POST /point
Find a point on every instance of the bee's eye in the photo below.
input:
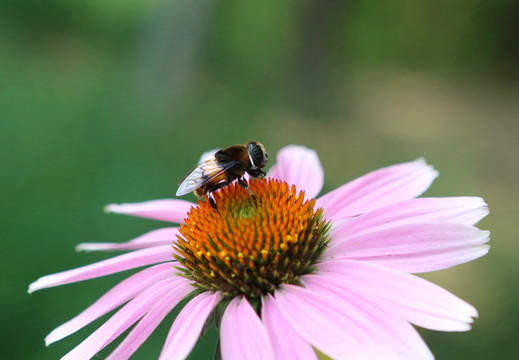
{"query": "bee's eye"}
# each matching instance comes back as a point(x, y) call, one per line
point(258, 157)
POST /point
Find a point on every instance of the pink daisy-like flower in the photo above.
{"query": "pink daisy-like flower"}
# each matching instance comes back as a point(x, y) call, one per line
point(290, 273)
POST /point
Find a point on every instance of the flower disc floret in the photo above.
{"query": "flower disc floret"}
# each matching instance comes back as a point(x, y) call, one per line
point(251, 245)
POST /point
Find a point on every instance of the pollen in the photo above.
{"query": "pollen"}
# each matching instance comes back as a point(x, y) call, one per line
point(251, 244)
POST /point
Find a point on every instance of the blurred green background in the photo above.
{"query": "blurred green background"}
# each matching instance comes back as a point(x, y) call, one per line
point(113, 101)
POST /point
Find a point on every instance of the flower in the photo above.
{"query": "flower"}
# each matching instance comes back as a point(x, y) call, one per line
point(290, 273)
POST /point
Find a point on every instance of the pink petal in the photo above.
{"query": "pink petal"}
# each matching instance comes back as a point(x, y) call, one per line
point(171, 210)
point(413, 247)
point(109, 266)
point(377, 189)
point(157, 237)
point(394, 330)
point(300, 166)
point(287, 343)
point(417, 300)
point(149, 323)
point(460, 210)
point(242, 334)
point(207, 155)
point(188, 326)
point(332, 325)
point(127, 316)
point(118, 295)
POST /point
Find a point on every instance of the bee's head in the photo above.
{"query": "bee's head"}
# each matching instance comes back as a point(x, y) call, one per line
point(257, 154)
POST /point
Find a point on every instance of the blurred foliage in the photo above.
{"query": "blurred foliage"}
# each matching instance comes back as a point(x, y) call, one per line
point(113, 101)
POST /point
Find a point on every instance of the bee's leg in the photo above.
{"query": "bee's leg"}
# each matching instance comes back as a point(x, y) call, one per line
point(220, 185)
point(256, 173)
point(244, 185)
point(212, 202)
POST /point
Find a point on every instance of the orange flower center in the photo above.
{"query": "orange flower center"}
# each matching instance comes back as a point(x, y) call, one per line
point(251, 245)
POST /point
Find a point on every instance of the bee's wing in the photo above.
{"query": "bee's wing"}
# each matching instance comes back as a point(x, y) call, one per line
point(202, 174)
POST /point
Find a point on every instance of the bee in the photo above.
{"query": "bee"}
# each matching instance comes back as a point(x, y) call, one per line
point(226, 166)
